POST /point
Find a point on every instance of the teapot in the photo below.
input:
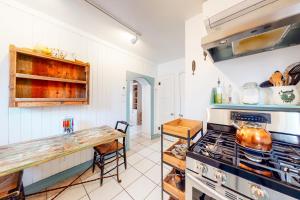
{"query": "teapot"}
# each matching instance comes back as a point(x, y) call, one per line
point(254, 136)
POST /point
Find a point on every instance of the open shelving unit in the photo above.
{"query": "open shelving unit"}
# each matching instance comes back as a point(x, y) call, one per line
point(37, 79)
point(135, 96)
point(184, 130)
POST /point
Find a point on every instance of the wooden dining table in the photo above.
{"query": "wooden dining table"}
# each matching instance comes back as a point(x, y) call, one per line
point(20, 156)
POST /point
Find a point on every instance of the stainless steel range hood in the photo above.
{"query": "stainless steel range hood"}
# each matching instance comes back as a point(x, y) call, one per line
point(252, 26)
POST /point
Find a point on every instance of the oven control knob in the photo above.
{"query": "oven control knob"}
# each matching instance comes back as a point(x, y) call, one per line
point(220, 176)
point(201, 168)
point(258, 193)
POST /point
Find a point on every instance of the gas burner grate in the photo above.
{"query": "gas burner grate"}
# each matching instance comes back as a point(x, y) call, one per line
point(281, 164)
point(221, 141)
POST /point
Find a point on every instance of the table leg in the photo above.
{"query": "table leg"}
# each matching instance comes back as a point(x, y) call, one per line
point(70, 185)
point(117, 159)
point(82, 182)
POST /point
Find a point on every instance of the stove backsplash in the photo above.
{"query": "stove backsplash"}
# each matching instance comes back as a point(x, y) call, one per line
point(282, 122)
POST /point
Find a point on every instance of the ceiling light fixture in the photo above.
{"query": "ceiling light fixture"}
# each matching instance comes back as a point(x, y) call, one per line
point(137, 34)
point(134, 40)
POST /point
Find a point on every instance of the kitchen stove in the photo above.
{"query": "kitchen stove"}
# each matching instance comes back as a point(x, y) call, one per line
point(219, 168)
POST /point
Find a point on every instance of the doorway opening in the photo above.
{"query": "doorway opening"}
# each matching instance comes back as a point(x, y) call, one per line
point(140, 106)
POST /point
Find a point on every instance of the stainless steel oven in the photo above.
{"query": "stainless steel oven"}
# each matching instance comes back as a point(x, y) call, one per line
point(198, 190)
point(201, 188)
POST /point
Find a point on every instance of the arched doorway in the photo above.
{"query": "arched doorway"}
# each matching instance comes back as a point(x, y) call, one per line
point(140, 108)
point(145, 109)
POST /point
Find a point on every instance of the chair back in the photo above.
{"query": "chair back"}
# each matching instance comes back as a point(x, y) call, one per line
point(122, 126)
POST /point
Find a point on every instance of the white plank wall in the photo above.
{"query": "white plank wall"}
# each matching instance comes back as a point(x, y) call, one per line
point(24, 27)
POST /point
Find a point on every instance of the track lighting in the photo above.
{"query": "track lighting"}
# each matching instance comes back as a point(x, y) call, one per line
point(133, 38)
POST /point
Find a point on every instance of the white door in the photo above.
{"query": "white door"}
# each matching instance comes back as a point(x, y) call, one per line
point(181, 88)
point(166, 99)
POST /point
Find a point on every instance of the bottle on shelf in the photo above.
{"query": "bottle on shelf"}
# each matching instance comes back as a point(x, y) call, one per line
point(218, 93)
point(229, 94)
point(224, 94)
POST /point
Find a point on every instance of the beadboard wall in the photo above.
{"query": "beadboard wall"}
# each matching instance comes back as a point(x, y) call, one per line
point(24, 27)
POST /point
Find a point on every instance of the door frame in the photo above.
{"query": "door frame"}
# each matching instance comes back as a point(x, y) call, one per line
point(130, 76)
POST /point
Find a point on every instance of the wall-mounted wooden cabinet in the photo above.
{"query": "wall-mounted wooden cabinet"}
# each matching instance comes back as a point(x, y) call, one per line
point(40, 80)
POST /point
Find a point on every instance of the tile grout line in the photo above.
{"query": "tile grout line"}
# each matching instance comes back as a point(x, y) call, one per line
point(113, 179)
point(117, 193)
point(129, 194)
point(133, 180)
point(144, 174)
point(150, 192)
point(122, 186)
point(124, 189)
point(85, 189)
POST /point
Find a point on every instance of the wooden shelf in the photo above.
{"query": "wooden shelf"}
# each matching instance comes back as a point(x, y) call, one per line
point(39, 102)
point(41, 80)
point(171, 160)
point(180, 127)
point(49, 99)
point(48, 78)
point(29, 52)
point(28, 104)
point(170, 187)
point(258, 107)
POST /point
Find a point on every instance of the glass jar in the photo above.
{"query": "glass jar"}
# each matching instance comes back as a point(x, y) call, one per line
point(251, 93)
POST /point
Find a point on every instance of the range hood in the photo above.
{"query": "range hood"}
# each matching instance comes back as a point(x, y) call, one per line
point(252, 26)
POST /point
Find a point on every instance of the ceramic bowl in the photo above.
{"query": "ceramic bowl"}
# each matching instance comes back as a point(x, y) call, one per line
point(286, 95)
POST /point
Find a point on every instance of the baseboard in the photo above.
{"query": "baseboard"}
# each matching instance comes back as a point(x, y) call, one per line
point(52, 180)
point(154, 136)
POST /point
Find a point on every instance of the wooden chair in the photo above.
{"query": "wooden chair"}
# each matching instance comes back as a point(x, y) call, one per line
point(11, 187)
point(103, 152)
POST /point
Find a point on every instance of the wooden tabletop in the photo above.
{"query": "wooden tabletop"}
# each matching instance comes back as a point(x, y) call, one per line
point(19, 156)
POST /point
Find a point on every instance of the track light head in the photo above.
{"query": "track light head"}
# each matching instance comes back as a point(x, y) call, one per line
point(134, 40)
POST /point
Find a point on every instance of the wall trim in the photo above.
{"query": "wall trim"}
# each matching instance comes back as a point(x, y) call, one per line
point(154, 136)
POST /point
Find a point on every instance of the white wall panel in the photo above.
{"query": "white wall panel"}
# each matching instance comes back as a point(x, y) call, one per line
point(25, 28)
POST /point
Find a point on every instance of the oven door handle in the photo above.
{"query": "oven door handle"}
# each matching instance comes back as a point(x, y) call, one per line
point(214, 194)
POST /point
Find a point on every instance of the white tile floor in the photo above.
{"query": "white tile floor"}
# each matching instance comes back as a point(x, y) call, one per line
point(141, 180)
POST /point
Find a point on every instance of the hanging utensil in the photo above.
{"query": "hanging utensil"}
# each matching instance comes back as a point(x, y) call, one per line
point(295, 75)
point(286, 78)
point(276, 79)
point(292, 74)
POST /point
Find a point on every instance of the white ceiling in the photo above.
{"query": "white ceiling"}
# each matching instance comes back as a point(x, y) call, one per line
point(161, 22)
